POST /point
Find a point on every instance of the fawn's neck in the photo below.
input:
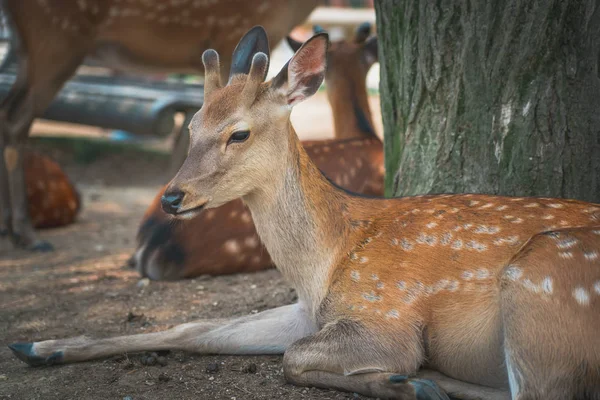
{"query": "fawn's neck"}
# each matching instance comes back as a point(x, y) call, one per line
point(300, 220)
point(350, 106)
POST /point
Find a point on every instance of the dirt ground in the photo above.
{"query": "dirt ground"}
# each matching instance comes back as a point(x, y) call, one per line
point(84, 287)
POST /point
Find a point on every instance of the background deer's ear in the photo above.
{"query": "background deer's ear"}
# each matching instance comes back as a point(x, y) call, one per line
point(293, 43)
point(254, 41)
point(371, 56)
point(362, 32)
point(302, 76)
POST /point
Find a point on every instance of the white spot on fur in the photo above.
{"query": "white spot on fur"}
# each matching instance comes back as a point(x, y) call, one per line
point(393, 314)
point(565, 254)
point(379, 285)
point(446, 239)
point(581, 296)
point(363, 260)
point(232, 246)
point(555, 205)
point(251, 241)
point(590, 255)
point(394, 242)
point(472, 244)
point(410, 296)
point(514, 273)
point(511, 240)
point(473, 203)
point(548, 216)
point(453, 286)
point(429, 240)
point(245, 217)
point(488, 205)
point(531, 205)
point(374, 277)
point(501, 208)
point(547, 285)
point(529, 285)
point(457, 244)
point(467, 275)
point(355, 276)
point(401, 285)
point(371, 296)
point(406, 244)
point(567, 243)
point(597, 287)
point(482, 273)
point(431, 225)
point(490, 230)
point(517, 220)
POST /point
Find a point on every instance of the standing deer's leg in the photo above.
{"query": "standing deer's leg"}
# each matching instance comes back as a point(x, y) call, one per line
point(181, 145)
point(40, 77)
point(5, 209)
point(268, 332)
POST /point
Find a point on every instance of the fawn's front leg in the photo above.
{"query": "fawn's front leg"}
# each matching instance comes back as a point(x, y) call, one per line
point(268, 332)
point(348, 356)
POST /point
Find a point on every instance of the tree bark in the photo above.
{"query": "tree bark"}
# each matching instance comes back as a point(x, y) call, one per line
point(499, 96)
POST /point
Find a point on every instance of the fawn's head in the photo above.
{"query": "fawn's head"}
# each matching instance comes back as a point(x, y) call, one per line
point(240, 137)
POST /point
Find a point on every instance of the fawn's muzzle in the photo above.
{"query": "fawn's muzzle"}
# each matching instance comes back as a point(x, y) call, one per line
point(171, 201)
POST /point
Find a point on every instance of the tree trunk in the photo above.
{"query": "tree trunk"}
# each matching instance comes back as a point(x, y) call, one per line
point(499, 97)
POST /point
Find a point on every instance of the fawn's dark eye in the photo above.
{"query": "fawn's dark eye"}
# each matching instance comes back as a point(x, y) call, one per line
point(238, 137)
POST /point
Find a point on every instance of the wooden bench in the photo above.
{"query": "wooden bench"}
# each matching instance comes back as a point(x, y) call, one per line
point(141, 107)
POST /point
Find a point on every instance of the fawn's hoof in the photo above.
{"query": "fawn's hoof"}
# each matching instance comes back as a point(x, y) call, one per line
point(41, 246)
point(28, 243)
point(25, 353)
point(426, 389)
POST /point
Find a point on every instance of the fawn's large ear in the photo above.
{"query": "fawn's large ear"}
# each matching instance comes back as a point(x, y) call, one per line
point(302, 76)
point(254, 41)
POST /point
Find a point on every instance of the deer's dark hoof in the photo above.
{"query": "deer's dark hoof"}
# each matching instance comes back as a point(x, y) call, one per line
point(41, 246)
point(26, 242)
point(25, 353)
point(426, 389)
point(398, 379)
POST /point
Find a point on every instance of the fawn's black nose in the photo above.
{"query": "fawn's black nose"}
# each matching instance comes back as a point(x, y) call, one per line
point(171, 201)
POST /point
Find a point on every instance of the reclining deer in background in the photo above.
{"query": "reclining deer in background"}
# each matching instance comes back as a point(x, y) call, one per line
point(224, 240)
point(52, 199)
point(486, 293)
point(54, 36)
